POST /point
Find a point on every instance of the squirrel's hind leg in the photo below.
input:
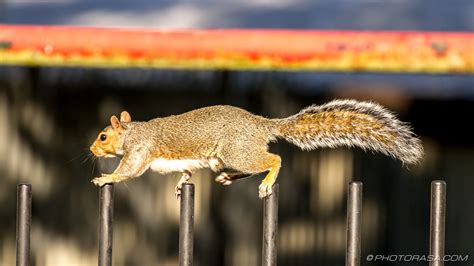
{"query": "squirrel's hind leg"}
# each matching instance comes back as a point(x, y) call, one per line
point(226, 178)
point(273, 163)
point(255, 161)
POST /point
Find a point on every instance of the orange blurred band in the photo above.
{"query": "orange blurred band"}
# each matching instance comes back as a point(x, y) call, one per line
point(307, 50)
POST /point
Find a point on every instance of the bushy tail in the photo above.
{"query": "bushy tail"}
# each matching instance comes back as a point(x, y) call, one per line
point(351, 123)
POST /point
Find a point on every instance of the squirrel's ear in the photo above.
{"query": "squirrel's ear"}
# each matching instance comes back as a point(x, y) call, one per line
point(125, 117)
point(114, 122)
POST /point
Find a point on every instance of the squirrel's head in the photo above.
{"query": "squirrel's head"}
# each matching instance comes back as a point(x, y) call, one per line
point(109, 142)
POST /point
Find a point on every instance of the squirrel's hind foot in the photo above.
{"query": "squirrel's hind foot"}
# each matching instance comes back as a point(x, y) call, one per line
point(264, 190)
point(224, 179)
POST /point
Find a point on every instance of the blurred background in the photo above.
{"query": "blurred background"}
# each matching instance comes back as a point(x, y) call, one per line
point(50, 115)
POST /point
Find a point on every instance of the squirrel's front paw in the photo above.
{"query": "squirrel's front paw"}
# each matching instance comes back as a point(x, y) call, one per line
point(100, 181)
point(265, 190)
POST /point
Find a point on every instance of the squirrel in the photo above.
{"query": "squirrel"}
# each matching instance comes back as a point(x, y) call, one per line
point(234, 142)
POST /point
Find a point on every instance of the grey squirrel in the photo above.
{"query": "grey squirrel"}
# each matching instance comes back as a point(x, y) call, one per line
point(234, 142)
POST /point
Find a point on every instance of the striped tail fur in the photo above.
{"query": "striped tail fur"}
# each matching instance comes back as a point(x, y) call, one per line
point(351, 123)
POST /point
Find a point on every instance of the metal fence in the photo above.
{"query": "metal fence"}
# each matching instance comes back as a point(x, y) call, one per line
point(270, 224)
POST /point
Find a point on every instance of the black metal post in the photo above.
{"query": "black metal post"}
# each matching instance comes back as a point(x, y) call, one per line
point(437, 220)
point(186, 225)
point(23, 224)
point(270, 228)
point(353, 234)
point(106, 219)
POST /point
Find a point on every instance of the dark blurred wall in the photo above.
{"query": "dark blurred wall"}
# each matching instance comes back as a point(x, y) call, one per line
point(49, 117)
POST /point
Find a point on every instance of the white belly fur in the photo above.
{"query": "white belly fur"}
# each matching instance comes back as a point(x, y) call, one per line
point(164, 166)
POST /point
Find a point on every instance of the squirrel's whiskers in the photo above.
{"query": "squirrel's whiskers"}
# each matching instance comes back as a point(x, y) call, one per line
point(86, 152)
point(94, 162)
point(89, 156)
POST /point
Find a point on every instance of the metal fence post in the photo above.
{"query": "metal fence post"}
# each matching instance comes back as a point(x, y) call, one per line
point(106, 218)
point(186, 225)
point(437, 221)
point(270, 228)
point(23, 224)
point(353, 234)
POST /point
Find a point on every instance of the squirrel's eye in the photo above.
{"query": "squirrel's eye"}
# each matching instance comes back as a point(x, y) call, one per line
point(103, 137)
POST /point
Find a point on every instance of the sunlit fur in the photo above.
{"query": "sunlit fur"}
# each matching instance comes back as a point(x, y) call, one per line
point(351, 123)
point(227, 137)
